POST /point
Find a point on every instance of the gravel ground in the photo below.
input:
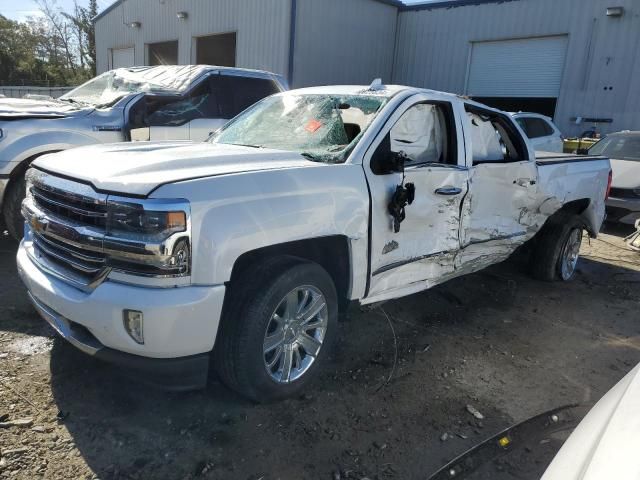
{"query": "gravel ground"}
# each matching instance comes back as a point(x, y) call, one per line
point(505, 344)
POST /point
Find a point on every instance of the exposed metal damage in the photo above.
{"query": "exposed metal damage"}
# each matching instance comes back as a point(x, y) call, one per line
point(479, 229)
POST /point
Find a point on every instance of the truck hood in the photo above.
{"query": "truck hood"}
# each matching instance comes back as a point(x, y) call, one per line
point(139, 168)
point(22, 108)
point(626, 173)
point(605, 444)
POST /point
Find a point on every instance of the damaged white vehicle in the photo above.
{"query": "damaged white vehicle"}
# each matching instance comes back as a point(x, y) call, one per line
point(158, 256)
point(184, 102)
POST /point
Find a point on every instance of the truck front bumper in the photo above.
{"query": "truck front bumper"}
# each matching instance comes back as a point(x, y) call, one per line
point(180, 324)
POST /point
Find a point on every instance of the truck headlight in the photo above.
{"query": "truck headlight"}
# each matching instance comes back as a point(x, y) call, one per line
point(133, 218)
point(148, 237)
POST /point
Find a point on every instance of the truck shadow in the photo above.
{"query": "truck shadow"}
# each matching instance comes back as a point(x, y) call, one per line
point(16, 312)
point(124, 429)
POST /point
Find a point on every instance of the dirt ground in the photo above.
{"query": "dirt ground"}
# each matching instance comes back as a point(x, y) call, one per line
point(509, 346)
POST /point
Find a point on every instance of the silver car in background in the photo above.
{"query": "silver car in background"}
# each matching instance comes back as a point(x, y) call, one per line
point(623, 148)
point(168, 102)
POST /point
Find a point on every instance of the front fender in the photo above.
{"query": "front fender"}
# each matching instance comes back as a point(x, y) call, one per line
point(238, 213)
point(35, 144)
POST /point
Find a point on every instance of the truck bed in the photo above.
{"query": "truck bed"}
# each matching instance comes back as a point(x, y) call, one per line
point(567, 178)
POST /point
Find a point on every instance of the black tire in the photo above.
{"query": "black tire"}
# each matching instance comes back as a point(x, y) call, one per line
point(549, 245)
point(11, 207)
point(253, 298)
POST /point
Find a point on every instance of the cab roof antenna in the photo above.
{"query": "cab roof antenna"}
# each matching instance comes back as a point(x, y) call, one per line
point(376, 85)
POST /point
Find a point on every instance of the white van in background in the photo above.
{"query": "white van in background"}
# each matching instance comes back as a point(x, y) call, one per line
point(542, 132)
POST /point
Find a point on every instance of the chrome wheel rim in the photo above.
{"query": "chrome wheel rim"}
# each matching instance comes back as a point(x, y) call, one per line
point(570, 254)
point(295, 333)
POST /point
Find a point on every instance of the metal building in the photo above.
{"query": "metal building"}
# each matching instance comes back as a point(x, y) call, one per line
point(309, 41)
point(575, 60)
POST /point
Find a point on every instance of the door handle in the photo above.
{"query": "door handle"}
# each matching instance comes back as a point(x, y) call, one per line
point(449, 191)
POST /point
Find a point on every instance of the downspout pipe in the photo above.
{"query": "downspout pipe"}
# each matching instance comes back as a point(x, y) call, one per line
point(292, 40)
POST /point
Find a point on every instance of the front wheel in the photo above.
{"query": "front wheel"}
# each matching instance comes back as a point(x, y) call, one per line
point(11, 208)
point(557, 249)
point(277, 328)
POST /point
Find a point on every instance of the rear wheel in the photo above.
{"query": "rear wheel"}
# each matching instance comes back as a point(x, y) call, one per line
point(570, 254)
point(11, 207)
point(557, 249)
point(277, 328)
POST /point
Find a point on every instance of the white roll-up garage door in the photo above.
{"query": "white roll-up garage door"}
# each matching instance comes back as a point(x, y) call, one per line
point(528, 67)
point(122, 57)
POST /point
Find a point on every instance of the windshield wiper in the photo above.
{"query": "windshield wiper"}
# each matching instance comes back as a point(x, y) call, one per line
point(72, 101)
point(246, 145)
point(311, 156)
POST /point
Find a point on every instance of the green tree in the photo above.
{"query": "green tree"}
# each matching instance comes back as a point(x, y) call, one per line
point(82, 20)
point(19, 62)
point(57, 48)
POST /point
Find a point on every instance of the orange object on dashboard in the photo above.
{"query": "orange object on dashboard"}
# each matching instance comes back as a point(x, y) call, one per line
point(313, 126)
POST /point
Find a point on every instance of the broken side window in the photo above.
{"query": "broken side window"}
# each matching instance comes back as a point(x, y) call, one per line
point(421, 134)
point(493, 138)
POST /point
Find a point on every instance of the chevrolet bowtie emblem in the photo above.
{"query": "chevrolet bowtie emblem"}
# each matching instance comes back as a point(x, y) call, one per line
point(38, 224)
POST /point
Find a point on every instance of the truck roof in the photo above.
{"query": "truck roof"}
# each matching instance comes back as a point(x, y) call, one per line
point(178, 78)
point(381, 90)
point(388, 91)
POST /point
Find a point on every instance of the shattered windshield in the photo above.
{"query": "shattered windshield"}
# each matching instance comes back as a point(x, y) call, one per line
point(106, 89)
point(322, 128)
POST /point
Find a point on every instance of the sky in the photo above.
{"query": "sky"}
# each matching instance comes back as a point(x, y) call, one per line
point(20, 10)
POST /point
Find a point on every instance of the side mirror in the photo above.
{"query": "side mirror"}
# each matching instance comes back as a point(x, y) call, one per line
point(384, 161)
point(583, 151)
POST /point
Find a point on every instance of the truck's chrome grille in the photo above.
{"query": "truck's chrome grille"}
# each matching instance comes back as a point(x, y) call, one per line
point(68, 225)
point(71, 233)
point(88, 263)
point(77, 208)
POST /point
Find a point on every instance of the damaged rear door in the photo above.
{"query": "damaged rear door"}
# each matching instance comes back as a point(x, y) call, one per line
point(500, 211)
point(413, 244)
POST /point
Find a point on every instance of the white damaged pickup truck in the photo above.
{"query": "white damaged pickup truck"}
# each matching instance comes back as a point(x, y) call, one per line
point(160, 257)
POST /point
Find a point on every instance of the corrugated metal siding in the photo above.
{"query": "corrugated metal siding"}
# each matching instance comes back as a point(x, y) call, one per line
point(343, 42)
point(434, 48)
point(530, 67)
point(262, 28)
